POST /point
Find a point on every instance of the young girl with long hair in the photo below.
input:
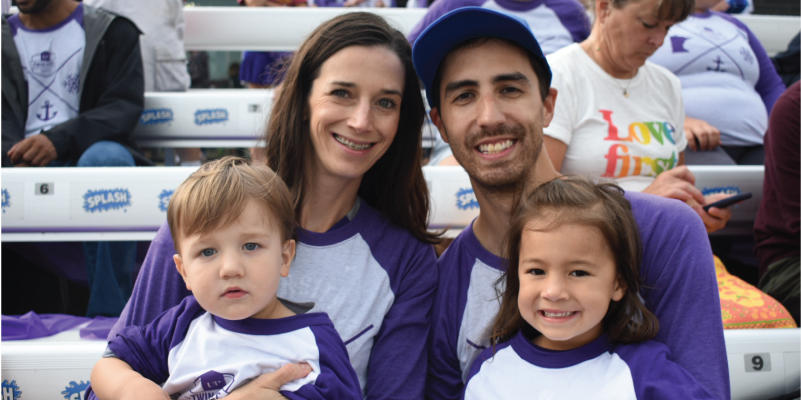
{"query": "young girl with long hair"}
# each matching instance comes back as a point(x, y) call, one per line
point(571, 323)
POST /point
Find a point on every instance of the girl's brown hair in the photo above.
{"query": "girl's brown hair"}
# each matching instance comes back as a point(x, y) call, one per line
point(394, 185)
point(216, 194)
point(574, 200)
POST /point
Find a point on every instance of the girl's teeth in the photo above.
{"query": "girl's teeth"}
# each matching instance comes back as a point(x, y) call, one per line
point(494, 148)
point(558, 315)
point(351, 145)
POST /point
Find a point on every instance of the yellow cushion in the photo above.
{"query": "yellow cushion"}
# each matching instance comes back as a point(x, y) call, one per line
point(743, 306)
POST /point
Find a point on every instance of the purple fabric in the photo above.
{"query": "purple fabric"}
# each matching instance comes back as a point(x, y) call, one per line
point(770, 85)
point(33, 326)
point(571, 14)
point(146, 349)
point(99, 328)
point(680, 288)
point(262, 68)
point(654, 375)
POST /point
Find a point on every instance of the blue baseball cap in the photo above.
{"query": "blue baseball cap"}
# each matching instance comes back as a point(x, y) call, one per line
point(464, 24)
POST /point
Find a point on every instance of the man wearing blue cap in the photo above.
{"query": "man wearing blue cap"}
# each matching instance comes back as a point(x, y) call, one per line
point(488, 85)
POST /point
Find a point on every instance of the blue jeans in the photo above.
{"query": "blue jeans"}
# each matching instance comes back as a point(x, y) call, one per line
point(109, 265)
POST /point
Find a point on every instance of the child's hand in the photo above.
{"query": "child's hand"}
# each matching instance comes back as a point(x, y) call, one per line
point(267, 385)
point(113, 379)
point(151, 391)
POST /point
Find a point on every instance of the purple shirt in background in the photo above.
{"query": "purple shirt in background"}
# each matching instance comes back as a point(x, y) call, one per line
point(680, 288)
point(555, 23)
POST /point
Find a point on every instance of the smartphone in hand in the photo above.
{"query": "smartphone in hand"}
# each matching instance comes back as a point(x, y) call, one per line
point(728, 201)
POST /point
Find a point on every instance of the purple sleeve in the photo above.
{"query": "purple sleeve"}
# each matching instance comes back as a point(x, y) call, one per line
point(573, 16)
point(147, 348)
point(158, 287)
point(656, 377)
point(770, 85)
point(438, 9)
point(397, 366)
point(327, 3)
point(337, 379)
point(444, 380)
point(680, 287)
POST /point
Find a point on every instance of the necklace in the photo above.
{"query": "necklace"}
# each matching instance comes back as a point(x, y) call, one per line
point(625, 89)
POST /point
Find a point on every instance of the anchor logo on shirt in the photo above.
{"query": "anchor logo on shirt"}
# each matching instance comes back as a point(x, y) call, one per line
point(47, 116)
point(717, 68)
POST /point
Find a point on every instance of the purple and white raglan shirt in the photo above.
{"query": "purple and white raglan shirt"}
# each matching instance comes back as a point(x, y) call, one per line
point(679, 287)
point(51, 61)
point(726, 76)
point(374, 280)
point(555, 23)
point(599, 370)
point(195, 355)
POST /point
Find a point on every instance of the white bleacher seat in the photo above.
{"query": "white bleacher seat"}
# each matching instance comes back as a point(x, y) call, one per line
point(204, 118)
point(44, 368)
point(77, 204)
point(233, 29)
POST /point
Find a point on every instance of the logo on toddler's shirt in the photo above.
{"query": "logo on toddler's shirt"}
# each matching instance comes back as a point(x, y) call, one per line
point(466, 199)
point(6, 199)
point(156, 116)
point(43, 63)
point(10, 390)
point(211, 116)
point(164, 199)
point(208, 386)
point(106, 200)
point(75, 391)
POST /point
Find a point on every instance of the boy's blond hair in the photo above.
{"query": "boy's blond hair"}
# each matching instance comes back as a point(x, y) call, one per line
point(216, 194)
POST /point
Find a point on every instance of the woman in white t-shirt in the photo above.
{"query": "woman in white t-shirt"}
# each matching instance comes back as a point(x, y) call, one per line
point(618, 116)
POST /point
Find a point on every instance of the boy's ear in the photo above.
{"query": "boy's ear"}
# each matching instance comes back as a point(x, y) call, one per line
point(287, 255)
point(620, 289)
point(179, 265)
point(437, 120)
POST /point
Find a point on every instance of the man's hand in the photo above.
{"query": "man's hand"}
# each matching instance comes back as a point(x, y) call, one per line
point(676, 183)
point(708, 136)
point(266, 386)
point(715, 218)
point(35, 151)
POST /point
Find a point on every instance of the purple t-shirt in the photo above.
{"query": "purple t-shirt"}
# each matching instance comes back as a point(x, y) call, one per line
point(726, 76)
point(374, 280)
point(520, 369)
point(193, 354)
point(680, 288)
point(555, 23)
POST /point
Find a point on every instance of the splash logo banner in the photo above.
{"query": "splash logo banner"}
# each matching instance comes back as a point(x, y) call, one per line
point(106, 200)
point(466, 199)
point(164, 199)
point(211, 116)
point(156, 116)
point(6, 199)
point(731, 190)
point(75, 391)
point(10, 390)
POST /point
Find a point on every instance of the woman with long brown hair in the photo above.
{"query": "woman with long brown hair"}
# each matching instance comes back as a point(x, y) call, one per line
point(345, 135)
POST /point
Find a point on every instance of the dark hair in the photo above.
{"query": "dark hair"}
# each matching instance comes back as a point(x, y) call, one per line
point(666, 10)
point(216, 194)
point(536, 64)
point(575, 200)
point(394, 185)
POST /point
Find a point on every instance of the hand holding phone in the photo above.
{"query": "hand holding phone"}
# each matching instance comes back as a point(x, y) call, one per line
point(728, 201)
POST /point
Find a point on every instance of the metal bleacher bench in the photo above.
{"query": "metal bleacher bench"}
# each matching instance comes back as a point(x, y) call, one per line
point(79, 204)
point(236, 118)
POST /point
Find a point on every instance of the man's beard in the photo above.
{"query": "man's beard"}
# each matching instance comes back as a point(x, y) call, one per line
point(36, 7)
point(503, 177)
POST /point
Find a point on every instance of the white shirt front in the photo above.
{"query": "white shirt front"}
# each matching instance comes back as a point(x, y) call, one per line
point(630, 138)
point(51, 61)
